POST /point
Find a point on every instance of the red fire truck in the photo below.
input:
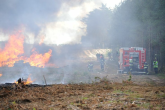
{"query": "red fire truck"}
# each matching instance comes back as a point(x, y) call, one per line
point(138, 57)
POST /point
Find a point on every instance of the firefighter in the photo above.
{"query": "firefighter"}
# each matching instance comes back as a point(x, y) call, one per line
point(130, 64)
point(102, 65)
point(155, 66)
point(101, 57)
point(102, 62)
point(90, 66)
point(146, 67)
point(98, 56)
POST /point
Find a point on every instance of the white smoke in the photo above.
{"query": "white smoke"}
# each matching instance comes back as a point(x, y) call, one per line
point(58, 20)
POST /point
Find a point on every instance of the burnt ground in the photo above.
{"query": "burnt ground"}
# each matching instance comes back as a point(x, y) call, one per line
point(75, 88)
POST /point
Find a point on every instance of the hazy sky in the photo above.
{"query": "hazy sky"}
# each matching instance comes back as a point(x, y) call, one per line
point(55, 21)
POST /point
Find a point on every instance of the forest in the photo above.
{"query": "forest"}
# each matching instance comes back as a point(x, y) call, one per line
point(133, 23)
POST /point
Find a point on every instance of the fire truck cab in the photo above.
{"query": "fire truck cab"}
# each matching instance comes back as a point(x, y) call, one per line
point(136, 54)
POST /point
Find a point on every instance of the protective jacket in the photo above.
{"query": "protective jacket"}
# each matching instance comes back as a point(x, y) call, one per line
point(90, 66)
point(130, 62)
point(145, 65)
point(155, 64)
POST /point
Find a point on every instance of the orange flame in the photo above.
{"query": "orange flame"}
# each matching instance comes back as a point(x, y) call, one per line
point(28, 81)
point(14, 48)
point(38, 60)
point(13, 52)
point(0, 75)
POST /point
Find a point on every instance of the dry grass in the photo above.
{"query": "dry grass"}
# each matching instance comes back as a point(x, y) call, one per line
point(98, 95)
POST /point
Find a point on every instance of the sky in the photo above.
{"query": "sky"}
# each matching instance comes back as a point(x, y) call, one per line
point(53, 21)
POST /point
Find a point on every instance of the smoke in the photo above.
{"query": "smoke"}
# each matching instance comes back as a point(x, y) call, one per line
point(60, 21)
point(30, 14)
point(52, 22)
point(40, 17)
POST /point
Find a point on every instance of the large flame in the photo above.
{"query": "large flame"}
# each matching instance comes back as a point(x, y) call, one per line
point(13, 52)
point(14, 48)
point(38, 60)
point(0, 75)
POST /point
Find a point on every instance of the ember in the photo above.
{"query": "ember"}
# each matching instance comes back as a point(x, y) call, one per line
point(0, 75)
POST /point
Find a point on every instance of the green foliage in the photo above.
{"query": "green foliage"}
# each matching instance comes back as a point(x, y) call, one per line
point(130, 76)
point(117, 91)
point(14, 102)
point(128, 92)
point(71, 103)
point(141, 22)
point(132, 23)
point(161, 96)
point(97, 79)
point(85, 98)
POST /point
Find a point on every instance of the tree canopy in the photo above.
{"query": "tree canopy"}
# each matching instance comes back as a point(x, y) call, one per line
point(133, 23)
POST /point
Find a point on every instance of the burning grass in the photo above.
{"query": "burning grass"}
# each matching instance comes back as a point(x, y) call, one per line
point(101, 94)
point(14, 52)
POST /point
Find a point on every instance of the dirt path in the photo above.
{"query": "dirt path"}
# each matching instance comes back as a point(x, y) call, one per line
point(111, 74)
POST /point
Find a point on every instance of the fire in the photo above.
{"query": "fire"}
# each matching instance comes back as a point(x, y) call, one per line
point(0, 75)
point(29, 81)
point(26, 82)
point(14, 48)
point(38, 60)
point(13, 52)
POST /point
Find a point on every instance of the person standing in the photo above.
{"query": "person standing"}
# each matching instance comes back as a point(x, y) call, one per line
point(155, 66)
point(146, 67)
point(98, 56)
point(102, 65)
point(101, 57)
point(90, 66)
point(130, 64)
point(102, 60)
